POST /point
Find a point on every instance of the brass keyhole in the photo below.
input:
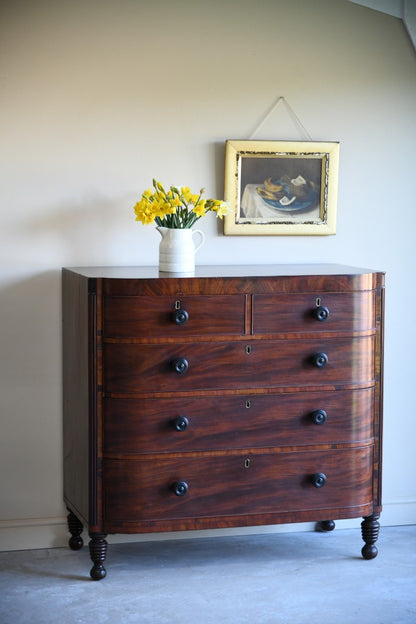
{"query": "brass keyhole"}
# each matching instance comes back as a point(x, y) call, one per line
point(318, 302)
point(248, 404)
point(247, 463)
point(248, 349)
point(177, 305)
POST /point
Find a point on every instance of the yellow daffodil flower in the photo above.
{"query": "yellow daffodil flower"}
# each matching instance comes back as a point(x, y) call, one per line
point(175, 208)
point(199, 209)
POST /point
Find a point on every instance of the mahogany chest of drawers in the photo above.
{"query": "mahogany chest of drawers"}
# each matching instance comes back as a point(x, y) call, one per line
point(240, 396)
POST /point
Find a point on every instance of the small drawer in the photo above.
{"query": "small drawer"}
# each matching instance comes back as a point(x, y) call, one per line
point(135, 426)
point(151, 316)
point(231, 485)
point(346, 312)
point(138, 368)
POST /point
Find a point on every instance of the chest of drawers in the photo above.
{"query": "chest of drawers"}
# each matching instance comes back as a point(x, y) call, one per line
point(240, 396)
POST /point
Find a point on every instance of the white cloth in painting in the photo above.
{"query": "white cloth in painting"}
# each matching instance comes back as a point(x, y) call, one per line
point(254, 207)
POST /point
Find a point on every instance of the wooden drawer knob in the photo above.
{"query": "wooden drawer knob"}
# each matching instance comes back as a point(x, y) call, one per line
point(321, 313)
point(319, 417)
point(318, 479)
point(180, 365)
point(320, 360)
point(180, 488)
point(180, 317)
point(180, 423)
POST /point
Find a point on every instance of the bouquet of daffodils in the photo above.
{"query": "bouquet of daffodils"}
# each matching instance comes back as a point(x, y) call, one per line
point(175, 208)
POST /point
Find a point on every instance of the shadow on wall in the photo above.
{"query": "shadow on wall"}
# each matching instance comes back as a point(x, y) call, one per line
point(85, 232)
point(218, 157)
point(30, 396)
point(96, 229)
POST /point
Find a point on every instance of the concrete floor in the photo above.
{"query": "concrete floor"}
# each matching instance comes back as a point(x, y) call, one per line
point(291, 578)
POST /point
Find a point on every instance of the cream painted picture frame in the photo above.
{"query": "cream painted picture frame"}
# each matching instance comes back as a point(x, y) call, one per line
point(281, 188)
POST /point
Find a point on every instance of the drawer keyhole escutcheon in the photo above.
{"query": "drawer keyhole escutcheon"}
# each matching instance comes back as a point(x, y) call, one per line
point(320, 313)
point(180, 316)
point(248, 349)
point(247, 463)
point(248, 404)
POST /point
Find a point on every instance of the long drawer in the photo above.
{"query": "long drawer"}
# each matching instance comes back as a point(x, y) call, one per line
point(133, 368)
point(234, 484)
point(148, 425)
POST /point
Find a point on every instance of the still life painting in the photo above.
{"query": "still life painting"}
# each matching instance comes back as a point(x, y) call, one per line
point(281, 187)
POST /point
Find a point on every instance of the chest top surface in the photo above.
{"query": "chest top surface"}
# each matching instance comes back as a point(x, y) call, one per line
point(280, 278)
point(218, 271)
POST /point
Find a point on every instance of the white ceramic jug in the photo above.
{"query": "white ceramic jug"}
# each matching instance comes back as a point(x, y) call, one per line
point(177, 249)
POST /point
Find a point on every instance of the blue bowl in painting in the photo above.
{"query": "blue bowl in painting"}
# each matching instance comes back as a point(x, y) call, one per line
point(295, 195)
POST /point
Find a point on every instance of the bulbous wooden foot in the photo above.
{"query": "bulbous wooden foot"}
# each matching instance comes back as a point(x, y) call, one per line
point(370, 528)
point(98, 553)
point(325, 526)
point(75, 528)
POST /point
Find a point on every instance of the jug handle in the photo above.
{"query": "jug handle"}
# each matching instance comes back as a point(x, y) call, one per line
point(202, 236)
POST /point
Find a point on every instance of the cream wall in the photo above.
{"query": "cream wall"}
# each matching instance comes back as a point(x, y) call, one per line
point(98, 97)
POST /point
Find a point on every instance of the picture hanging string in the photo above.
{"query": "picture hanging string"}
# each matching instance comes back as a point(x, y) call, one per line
point(291, 112)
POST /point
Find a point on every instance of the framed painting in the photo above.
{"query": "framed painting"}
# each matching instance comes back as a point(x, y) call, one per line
point(281, 187)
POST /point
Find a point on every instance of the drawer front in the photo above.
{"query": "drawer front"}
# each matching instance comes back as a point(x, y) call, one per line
point(346, 312)
point(143, 490)
point(132, 368)
point(145, 316)
point(133, 426)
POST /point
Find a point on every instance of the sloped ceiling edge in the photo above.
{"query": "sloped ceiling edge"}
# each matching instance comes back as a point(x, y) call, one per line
point(405, 9)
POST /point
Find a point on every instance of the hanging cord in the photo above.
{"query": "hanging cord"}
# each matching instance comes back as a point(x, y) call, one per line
point(291, 112)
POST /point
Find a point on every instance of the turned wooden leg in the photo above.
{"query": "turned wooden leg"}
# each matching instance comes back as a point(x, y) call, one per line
point(370, 528)
point(75, 528)
point(325, 526)
point(98, 553)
